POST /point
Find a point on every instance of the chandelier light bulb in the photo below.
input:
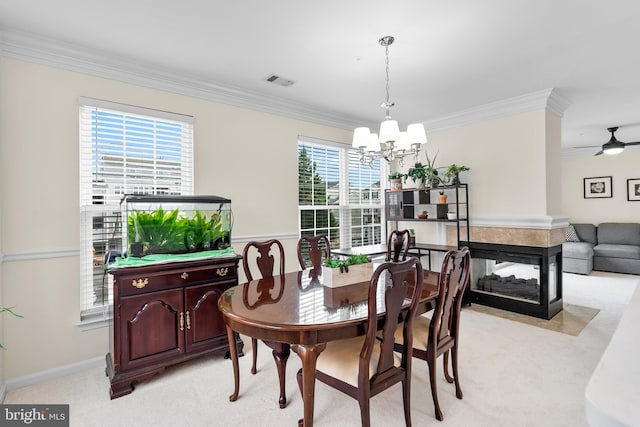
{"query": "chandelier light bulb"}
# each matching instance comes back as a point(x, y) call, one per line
point(389, 131)
point(416, 134)
point(374, 142)
point(360, 137)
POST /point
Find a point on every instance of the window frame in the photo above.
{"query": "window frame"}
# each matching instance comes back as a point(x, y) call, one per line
point(153, 150)
point(346, 207)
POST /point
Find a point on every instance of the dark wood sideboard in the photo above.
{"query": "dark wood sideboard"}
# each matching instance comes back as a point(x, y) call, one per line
point(165, 314)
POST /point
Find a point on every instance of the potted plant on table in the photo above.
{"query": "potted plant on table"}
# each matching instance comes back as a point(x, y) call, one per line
point(452, 173)
point(340, 272)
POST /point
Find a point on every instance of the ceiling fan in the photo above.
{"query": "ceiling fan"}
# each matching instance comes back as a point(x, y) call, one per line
point(613, 146)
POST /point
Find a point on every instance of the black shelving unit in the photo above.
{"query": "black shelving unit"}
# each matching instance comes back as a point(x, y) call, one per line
point(407, 204)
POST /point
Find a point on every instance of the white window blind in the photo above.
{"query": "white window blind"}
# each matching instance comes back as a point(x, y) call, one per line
point(338, 196)
point(123, 150)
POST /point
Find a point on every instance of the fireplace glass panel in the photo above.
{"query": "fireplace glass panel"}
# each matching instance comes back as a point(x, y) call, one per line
point(506, 279)
point(510, 279)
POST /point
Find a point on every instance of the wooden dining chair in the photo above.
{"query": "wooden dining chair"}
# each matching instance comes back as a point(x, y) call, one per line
point(364, 366)
point(440, 334)
point(265, 263)
point(398, 245)
point(312, 250)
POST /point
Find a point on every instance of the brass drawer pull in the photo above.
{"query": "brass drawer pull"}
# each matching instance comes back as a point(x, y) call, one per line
point(222, 271)
point(184, 275)
point(140, 283)
point(182, 320)
point(188, 321)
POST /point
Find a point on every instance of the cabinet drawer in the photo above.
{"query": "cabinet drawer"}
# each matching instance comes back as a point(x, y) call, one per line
point(166, 278)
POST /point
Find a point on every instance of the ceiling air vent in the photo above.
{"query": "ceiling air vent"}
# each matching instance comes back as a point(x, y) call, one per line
point(280, 81)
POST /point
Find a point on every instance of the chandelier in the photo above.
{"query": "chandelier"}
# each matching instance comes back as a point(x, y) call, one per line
point(391, 143)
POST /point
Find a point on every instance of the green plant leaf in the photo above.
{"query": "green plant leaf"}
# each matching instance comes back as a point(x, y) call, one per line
point(334, 262)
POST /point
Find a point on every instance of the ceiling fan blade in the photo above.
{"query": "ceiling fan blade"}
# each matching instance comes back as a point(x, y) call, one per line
point(598, 153)
point(632, 143)
point(588, 146)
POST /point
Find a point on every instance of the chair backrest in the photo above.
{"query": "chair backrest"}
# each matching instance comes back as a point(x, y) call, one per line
point(312, 250)
point(398, 245)
point(399, 279)
point(265, 260)
point(454, 276)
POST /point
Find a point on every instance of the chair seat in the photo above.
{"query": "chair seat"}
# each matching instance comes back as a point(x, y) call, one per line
point(341, 359)
point(420, 333)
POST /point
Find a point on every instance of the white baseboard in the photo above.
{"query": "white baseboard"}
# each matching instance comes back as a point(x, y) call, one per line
point(50, 374)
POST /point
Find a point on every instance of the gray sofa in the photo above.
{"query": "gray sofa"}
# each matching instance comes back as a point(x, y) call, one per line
point(611, 246)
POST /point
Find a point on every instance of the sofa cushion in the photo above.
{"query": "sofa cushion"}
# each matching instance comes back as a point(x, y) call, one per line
point(581, 250)
point(586, 233)
point(617, 251)
point(570, 234)
point(619, 233)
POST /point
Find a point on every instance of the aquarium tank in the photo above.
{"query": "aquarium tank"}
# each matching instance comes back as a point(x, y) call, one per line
point(175, 224)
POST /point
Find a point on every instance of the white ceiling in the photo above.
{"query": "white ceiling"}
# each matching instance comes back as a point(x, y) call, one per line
point(448, 56)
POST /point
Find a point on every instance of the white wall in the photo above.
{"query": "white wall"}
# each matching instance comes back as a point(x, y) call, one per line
point(507, 159)
point(615, 209)
point(247, 156)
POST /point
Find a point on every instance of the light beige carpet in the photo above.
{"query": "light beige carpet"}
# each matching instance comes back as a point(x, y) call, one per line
point(571, 320)
point(510, 374)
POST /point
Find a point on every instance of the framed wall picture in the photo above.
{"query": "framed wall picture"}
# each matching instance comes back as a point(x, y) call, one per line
point(597, 187)
point(633, 190)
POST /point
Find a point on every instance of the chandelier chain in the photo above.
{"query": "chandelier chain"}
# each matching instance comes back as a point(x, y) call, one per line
point(387, 82)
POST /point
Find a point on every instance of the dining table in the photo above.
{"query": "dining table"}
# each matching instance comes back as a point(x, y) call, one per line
point(297, 310)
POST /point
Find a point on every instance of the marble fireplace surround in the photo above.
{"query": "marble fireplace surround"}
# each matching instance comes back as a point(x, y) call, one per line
point(545, 238)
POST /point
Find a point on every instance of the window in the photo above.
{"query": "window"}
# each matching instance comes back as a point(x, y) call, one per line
point(123, 150)
point(337, 195)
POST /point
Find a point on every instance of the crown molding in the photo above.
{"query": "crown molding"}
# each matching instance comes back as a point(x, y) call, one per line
point(44, 51)
point(547, 98)
point(32, 48)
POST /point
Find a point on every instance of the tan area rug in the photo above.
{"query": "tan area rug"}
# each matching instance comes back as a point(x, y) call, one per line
point(571, 320)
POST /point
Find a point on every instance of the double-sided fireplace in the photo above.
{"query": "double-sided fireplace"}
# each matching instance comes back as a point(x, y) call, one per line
point(521, 279)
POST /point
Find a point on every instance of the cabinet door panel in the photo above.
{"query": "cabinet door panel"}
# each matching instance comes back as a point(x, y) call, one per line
point(206, 324)
point(151, 327)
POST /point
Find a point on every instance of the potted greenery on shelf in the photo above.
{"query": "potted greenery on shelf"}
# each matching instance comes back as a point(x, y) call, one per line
point(452, 173)
point(412, 236)
point(432, 177)
point(419, 175)
point(395, 178)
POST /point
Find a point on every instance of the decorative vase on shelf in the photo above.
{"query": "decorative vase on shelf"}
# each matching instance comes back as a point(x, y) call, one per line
point(442, 198)
point(419, 184)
